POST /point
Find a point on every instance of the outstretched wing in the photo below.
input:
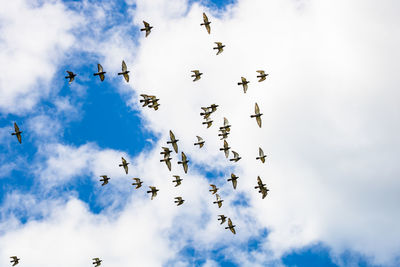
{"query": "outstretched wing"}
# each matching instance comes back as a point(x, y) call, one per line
point(171, 135)
point(199, 138)
point(258, 119)
point(124, 68)
point(245, 86)
point(208, 28)
point(231, 226)
point(235, 154)
point(256, 109)
point(146, 24)
point(218, 43)
point(226, 151)
point(126, 76)
point(261, 72)
point(16, 128)
point(168, 162)
point(205, 18)
point(100, 68)
point(260, 152)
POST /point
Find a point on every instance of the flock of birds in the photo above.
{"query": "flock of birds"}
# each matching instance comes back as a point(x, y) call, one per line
point(151, 101)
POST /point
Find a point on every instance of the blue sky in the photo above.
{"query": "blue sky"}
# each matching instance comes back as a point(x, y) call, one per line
point(74, 133)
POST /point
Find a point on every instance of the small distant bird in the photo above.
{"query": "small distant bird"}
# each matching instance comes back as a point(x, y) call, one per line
point(125, 71)
point(257, 115)
point(208, 122)
point(236, 157)
point(184, 162)
point(196, 75)
point(166, 152)
point(262, 188)
point(71, 76)
point(104, 179)
point(261, 155)
point(227, 126)
point(167, 161)
point(153, 191)
point(124, 164)
point(200, 142)
point(225, 149)
point(234, 180)
point(259, 182)
point(15, 260)
point(262, 75)
point(100, 72)
point(206, 23)
point(96, 261)
point(17, 132)
point(244, 84)
point(146, 100)
point(179, 201)
point(138, 183)
point(224, 134)
point(218, 201)
point(146, 28)
point(173, 141)
point(222, 218)
point(231, 226)
point(177, 180)
point(220, 47)
point(213, 189)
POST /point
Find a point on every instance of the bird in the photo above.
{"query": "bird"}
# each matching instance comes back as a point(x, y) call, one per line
point(177, 180)
point(261, 155)
point(208, 122)
point(96, 261)
point(225, 149)
point(234, 180)
point(257, 115)
point(146, 100)
point(262, 188)
point(244, 84)
point(179, 201)
point(153, 102)
point(218, 201)
point(17, 132)
point(262, 75)
point(167, 161)
point(166, 152)
point(138, 183)
point(125, 71)
point(259, 182)
point(146, 28)
point(15, 260)
point(124, 164)
point(213, 189)
point(184, 162)
point(70, 76)
point(200, 142)
point(206, 23)
point(104, 180)
point(153, 191)
point(236, 157)
point(173, 141)
point(231, 226)
point(220, 47)
point(227, 126)
point(222, 218)
point(100, 72)
point(197, 75)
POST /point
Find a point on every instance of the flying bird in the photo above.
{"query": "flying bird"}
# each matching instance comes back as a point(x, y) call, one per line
point(153, 191)
point(70, 76)
point(179, 201)
point(96, 261)
point(196, 75)
point(125, 71)
point(222, 218)
point(200, 142)
point(124, 164)
point(220, 47)
point(213, 189)
point(100, 72)
point(262, 188)
point(224, 134)
point(227, 126)
point(231, 226)
point(166, 152)
point(173, 141)
point(177, 180)
point(225, 149)
point(15, 260)
point(236, 157)
point(146, 100)
point(17, 132)
point(104, 179)
point(208, 122)
point(261, 155)
point(138, 183)
point(244, 84)
point(257, 115)
point(167, 161)
point(218, 201)
point(262, 75)
point(184, 162)
point(234, 180)
point(146, 28)
point(206, 23)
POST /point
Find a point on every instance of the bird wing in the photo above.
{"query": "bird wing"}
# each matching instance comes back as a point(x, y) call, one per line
point(213, 186)
point(235, 154)
point(70, 73)
point(261, 72)
point(243, 79)
point(126, 169)
point(256, 109)
point(175, 146)
point(234, 183)
point(226, 151)
point(168, 162)
point(126, 76)
point(208, 28)
point(146, 24)
point(124, 68)
point(123, 161)
point(218, 197)
point(102, 77)
point(258, 119)
point(185, 167)
point(199, 138)
point(100, 68)
point(259, 182)
point(260, 152)
point(16, 128)
point(205, 18)
point(171, 135)
point(196, 72)
point(218, 43)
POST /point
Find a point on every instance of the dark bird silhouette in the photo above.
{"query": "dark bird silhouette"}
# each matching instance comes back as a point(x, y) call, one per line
point(153, 191)
point(173, 141)
point(97, 262)
point(231, 226)
point(262, 188)
point(124, 164)
point(213, 189)
point(70, 76)
point(15, 260)
point(138, 183)
point(257, 115)
point(208, 122)
point(153, 102)
point(222, 218)
point(261, 155)
point(167, 161)
point(225, 149)
point(184, 162)
point(262, 75)
point(200, 142)
point(234, 180)
point(218, 201)
point(125, 71)
point(244, 84)
point(196, 74)
point(206, 23)
point(179, 201)
point(104, 179)
point(146, 28)
point(220, 47)
point(236, 157)
point(100, 72)
point(166, 152)
point(17, 132)
point(177, 180)
point(227, 126)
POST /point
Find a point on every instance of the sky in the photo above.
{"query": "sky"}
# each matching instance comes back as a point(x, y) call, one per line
point(329, 130)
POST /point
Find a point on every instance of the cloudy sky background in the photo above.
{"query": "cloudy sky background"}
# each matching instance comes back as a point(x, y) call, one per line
point(330, 130)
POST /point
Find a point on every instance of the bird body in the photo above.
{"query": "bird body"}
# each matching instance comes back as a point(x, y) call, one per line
point(96, 262)
point(227, 126)
point(153, 191)
point(177, 180)
point(225, 149)
point(262, 188)
point(231, 226)
point(208, 122)
point(213, 189)
point(234, 180)
point(236, 157)
point(125, 71)
point(218, 201)
point(100, 72)
point(17, 133)
point(222, 218)
point(14, 260)
point(173, 141)
point(167, 161)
